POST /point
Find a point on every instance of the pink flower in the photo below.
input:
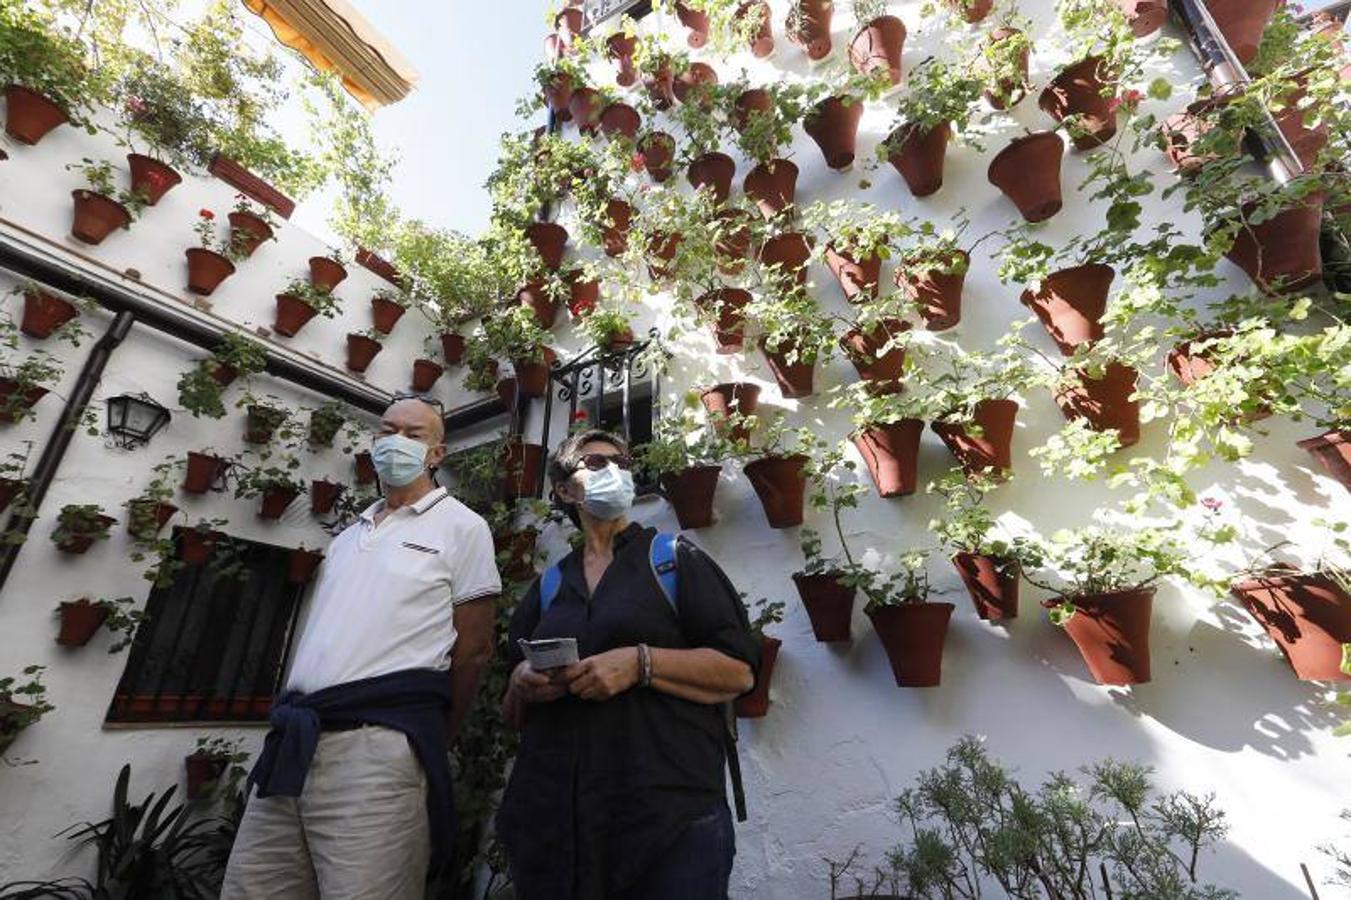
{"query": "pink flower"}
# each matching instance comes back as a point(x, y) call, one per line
point(1212, 504)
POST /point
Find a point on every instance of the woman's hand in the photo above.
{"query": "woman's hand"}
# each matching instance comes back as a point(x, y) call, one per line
point(604, 675)
point(535, 687)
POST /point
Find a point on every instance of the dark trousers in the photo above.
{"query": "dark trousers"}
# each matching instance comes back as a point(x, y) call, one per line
point(698, 865)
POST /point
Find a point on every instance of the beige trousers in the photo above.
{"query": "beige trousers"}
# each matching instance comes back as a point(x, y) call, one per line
point(358, 831)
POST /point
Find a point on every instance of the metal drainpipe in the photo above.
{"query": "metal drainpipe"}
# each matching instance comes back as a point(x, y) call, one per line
point(59, 441)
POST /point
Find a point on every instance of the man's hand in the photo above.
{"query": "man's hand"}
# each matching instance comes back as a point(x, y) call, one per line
point(535, 687)
point(604, 675)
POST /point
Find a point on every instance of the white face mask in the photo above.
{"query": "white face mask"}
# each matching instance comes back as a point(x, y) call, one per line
point(398, 460)
point(609, 491)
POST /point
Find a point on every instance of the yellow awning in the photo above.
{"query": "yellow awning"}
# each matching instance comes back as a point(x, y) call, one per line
point(334, 37)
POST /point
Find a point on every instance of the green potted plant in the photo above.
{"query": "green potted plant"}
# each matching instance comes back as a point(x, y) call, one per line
point(42, 66)
point(832, 122)
point(875, 343)
point(685, 459)
point(81, 618)
point(47, 315)
point(706, 166)
point(213, 762)
point(763, 614)
point(878, 40)
point(762, 121)
point(265, 418)
point(201, 389)
point(13, 484)
point(827, 589)
point(251, 225)
point(1001, 62)
point(609, 329)
point(23, 701)
point(213, 261)
point(151, 509)
point(79, 525)
point(275, 481)
point(861, 238)
point(362, 348)
point(516, 336)
point(974, 409)
point(301, 301)
point(887, 430)
point(912, 627)
point(795, 335)
point(1027, 171)
point(939, 100)
point(24, 383)
point(932, 272)
point(101, 209)
point(388, 306)
point(778, 470)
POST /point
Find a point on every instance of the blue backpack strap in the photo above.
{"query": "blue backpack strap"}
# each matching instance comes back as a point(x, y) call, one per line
point(662, 558)
point(549, 583)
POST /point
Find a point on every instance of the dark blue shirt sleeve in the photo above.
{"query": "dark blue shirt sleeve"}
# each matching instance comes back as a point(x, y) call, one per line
point(524, 618)
point(710, 608)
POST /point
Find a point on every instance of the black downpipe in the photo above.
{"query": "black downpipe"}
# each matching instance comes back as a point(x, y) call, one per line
point(59, 441)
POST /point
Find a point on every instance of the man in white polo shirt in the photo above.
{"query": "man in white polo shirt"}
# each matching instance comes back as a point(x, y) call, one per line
point(352, 787)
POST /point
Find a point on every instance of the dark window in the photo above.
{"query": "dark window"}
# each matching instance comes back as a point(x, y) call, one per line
point(214, 641)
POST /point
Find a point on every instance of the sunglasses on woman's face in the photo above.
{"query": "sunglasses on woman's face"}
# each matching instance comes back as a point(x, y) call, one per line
point(597, 461)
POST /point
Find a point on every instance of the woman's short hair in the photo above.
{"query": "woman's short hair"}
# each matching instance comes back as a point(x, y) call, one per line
point(568, 455)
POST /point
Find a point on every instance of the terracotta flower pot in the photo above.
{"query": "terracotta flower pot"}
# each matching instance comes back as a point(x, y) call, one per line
point(657, 151)
point(787, 255)
point(248, 232)
point(364, 467)
point(878, 46)
point(80, 620)
point(1190, 362)
point(275, 502)
point(882, 370)
point(16, 400)
point(44, 312)
point(1307, 142)
point(202, 771)
point(891, 453)
point(811, 31)
point(78, 542)
point(1332, 449)
point(1079, 91)
point(261, 423)
point(858, 278)
point(918, 156)
point(558, 94)
point(696, 21)
point(1282, 254)
point(1105, 402)
point(750, 102)
point(522, 464)
point(795, 379)
point(1007, 92)
point(755, 705)
point(937, 295)
point(222, 373)
point(569, 22)
point(146, 517)
point(833, 124)
point(1182, 130)
point(326, 274)
point(1145, 16)
point(585, 106)
point(302, 564)
point(206, 270)
point(690, 493)
point(1028, 172)
point(660, 86)
point(29, 116)
point(532, 376)
point(1111, 631)
point(151, 177)
point(292, 314)
point(96, 216)
point(728, 399)
point(1243, 22)
point(780, 484)
point(425, 373)
point(536, 296)
point(506, 392)
point(620, 119)
point(201, 473)
point(1070, 304)
point(990, 451)
point(583, 293)
point(452, 347)
point(772, 185)
point(729, 306)
point(518, 546)
point(661, 251)
point(971, 11)
point(732, 240)
point(1308, 615)
point(385, 314)
point(913, 635)
point(762, 39)
point(715, 171)
point(615, 236)
point(694, 85)
point(829, 604)
point(992, 583)
point(619, 48)
point(548, 239)
point(323, 495)
point(9, 489)
point(195, 545)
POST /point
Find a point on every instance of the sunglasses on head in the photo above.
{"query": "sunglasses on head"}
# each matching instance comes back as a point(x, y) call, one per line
point(597, 461)
point(429, 400)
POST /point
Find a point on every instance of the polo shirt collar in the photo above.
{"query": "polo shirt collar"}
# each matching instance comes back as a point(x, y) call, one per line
point(424, 503)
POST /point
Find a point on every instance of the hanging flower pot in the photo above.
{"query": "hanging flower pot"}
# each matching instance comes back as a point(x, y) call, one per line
point(918, 155)
point(206, 270)
point(728, 399)
point(1111, 630)
point(522, 465)
point(202, 771)
point(808, 27)
point(1282, 253)
point(829, 604)
point(1070, 304)
point(761, 40)
point(201, 473)
point(1189, 363)
point(1332, 449)
point(715, 171)
point(532, 375)
point(248, 232)
point(971, 11)
point(622, 119)
point(1028, 172)
point(44, 312)
point(558, 94)
point(750, 102)
point(882, 370)
point(661, 251)
point(1307, 142)
point(1243, 22)
point(1145, 16)
point(857, 277)
point(79, 536)
point(292, 314)
point(992, 583)
point(690, 493)
point(80, 621)
point(729, 305)
point(1105, 402)
point(29, 116)
point(780, 484)
point(794, 378)
point(891, 453)
point(772, 185)
point(913, 635)
point(657, 149)
point(755, 705)
point(302, 564)
point(361, 350)
point(788, 254)
point(548, 239)
point(833, 124)
point(569, 22)
point(223, 374)
point(619, 48)
point(506, 392)
point(878, 46)
point(365, 467)
point(152, 178)
point(385, 314)
point(583, 293)
point(323, 495)
point(452, 347)
point(275, 502)
point(988, 450)
point(619, 340)
point(16, 400)
point(326, 274)
point(1308, 615)
point(97, 216)
point(518, 545)
point(145, 517)
point(1008, 91)
point(1080, 90)
point(535, 295)
point(585, 106)
point(261, 423)
point(615, 232)
point(696, 20)
point(694, 85)
point(425, 373)
point(936, 293)
point(195, 545)
point(9, 489)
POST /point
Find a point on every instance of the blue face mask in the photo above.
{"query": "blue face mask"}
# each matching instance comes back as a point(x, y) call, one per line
point(609, 492)
point(398, 460)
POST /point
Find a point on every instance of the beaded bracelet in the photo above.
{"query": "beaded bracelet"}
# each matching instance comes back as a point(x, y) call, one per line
point(644, 666)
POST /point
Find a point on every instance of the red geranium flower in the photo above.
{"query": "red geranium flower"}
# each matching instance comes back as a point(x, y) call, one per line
point(579, 416)
point(206, 214)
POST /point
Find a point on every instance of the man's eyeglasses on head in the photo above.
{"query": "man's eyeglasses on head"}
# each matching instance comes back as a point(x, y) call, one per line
point(425, 398)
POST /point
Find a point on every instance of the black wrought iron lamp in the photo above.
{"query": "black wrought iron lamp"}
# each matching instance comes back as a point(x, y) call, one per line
point(133, 419)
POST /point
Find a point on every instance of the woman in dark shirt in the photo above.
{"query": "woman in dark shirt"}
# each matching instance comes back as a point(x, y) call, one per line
point(617, 791)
